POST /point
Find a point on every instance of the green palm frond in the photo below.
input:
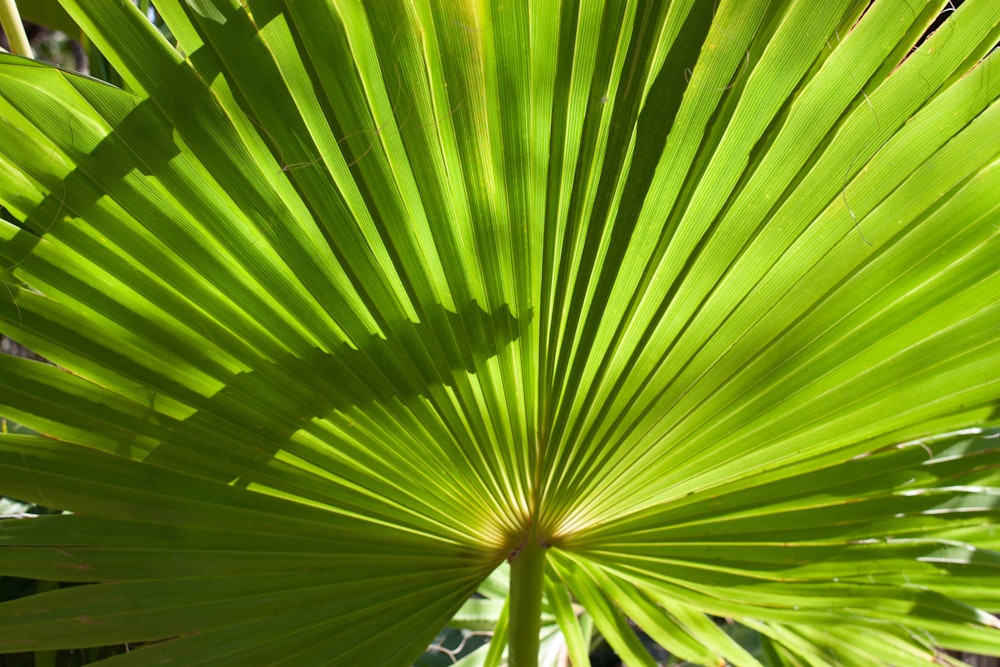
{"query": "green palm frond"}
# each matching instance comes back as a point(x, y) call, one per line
point(687, 309)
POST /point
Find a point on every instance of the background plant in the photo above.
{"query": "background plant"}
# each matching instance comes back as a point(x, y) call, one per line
point(687, 311)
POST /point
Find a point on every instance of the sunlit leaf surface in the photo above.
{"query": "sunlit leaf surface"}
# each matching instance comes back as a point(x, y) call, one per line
point(348, 302)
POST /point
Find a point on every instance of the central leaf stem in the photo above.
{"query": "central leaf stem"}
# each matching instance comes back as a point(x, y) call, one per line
point(527, 582)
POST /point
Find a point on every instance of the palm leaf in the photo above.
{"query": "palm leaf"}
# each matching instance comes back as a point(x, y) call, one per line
point(688, 310)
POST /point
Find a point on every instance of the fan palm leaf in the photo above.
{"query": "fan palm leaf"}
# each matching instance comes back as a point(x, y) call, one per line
point(688, 310)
